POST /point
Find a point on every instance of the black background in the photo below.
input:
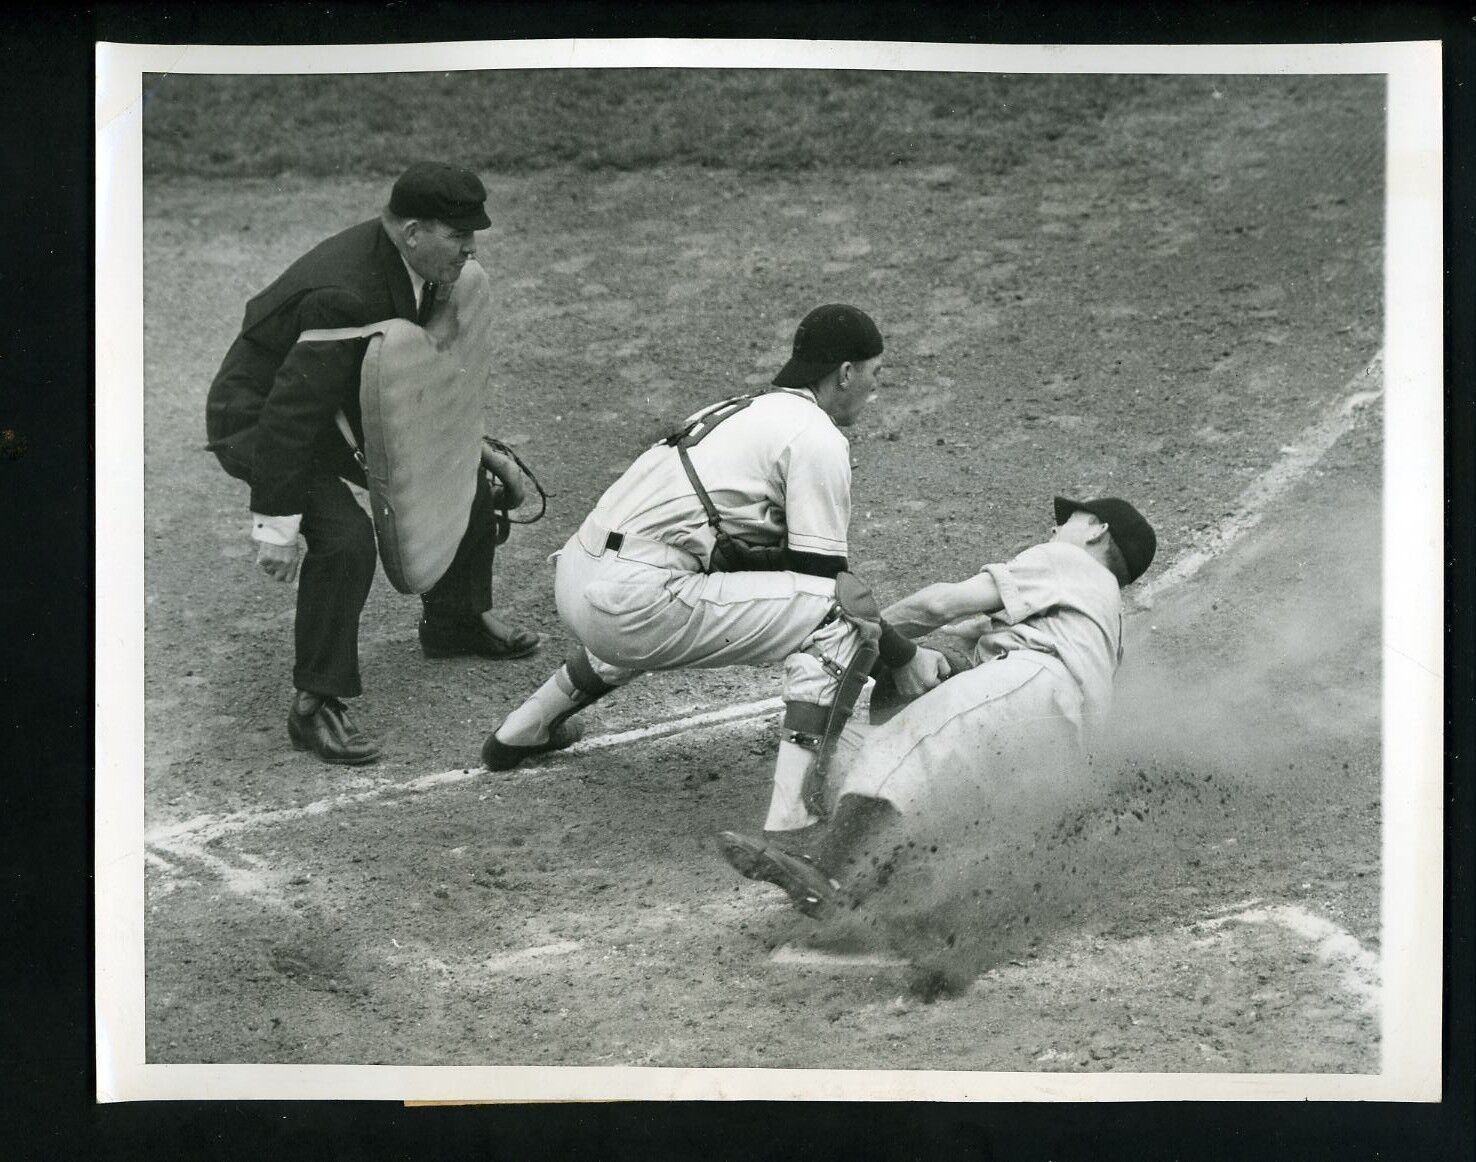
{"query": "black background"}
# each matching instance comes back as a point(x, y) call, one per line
point(47, 1080)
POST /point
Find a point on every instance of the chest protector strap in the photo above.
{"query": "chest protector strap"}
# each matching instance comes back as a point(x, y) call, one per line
point(729, 554)
point(693, 434)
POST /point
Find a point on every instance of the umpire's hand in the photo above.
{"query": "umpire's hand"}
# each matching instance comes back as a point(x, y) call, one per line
point(279, 562)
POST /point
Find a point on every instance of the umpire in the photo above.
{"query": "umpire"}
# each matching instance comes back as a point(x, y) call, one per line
point(271, 420)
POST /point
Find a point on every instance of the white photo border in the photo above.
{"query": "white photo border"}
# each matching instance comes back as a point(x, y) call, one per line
point(1413, 583)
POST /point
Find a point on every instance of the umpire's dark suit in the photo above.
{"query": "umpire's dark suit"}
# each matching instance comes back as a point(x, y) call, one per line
point(270, 419)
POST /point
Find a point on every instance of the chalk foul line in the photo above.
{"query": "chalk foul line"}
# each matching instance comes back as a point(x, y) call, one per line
point(188, 838)
point(741, 712)
point(1297, 459)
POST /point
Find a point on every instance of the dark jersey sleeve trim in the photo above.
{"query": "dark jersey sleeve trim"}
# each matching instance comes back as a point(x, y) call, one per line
point(815, 564)
point(896, 650)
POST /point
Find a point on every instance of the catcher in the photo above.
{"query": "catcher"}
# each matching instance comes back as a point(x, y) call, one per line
point(285, 414)
point(725, 544)
point(1016, 726)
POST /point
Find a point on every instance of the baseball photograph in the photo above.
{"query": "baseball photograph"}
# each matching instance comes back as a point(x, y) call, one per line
point(836, 567)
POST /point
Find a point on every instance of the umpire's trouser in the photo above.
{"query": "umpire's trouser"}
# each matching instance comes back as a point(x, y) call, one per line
point(337, 570)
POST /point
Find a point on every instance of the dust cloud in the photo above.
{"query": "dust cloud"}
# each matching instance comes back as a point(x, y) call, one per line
point(1236, 712)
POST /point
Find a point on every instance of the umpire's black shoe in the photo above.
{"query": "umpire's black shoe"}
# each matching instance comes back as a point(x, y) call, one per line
point(504, 756)
point(322, 725)
point(468, 635)
point(813, 892)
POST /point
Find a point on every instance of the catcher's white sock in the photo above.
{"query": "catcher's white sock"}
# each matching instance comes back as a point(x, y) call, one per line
point(528, 724)
point(787, 811)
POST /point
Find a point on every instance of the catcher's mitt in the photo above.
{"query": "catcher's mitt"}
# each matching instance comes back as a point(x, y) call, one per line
point(511, 479)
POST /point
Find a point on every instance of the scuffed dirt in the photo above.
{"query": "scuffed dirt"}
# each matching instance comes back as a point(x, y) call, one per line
point(1159, 328)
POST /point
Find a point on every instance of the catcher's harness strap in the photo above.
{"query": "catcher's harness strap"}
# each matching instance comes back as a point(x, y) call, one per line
point(504, 517)
point(693, 434)
point(698, 429)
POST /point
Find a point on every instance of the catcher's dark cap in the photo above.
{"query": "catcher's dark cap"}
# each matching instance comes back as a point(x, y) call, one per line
point(1132, 533)
point(827, 337)
point(444, 193)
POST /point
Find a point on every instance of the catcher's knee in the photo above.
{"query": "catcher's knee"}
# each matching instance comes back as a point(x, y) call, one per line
point(852, 615)
point(857, 604)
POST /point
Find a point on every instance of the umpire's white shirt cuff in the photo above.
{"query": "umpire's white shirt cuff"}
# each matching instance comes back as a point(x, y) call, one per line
point(275, 530)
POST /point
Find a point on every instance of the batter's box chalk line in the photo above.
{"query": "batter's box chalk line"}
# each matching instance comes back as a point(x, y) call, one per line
point(1297, 459)
point(1358, 967)
point(799, 956)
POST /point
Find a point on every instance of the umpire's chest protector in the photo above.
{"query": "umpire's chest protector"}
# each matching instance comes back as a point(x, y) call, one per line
point(422, 391)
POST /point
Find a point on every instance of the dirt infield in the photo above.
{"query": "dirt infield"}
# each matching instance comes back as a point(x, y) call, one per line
point(1162, 322)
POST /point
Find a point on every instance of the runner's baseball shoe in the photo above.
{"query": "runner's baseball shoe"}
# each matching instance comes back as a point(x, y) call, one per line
point(798, 842)
point(813, 892)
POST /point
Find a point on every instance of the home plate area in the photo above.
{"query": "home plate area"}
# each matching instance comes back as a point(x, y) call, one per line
point(1210, 994)
point(1199, 916)
point(493, 912)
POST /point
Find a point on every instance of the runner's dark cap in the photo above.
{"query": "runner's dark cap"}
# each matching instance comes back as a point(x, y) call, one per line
point(443, 193)
point(827, 337)
point(1132, 534)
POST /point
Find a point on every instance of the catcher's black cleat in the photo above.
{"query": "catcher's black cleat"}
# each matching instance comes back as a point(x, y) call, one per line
point(813, 892)
point(504, 756)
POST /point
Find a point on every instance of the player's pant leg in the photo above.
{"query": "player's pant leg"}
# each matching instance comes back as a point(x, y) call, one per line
point(709, 620)
point(466, 587)
point(821, 682)
point(636, 617)
point(753, 618)
point(998, 740)
point(333, 585)
point(582, 678)
point(861, 845)
point(601, 676)
point(756, 618)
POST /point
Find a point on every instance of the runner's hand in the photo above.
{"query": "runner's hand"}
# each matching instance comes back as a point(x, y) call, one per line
point(927, 669)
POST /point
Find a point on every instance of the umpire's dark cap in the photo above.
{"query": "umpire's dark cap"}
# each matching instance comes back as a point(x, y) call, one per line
point(827, 337)
point(443, 193)
point(1132, 533)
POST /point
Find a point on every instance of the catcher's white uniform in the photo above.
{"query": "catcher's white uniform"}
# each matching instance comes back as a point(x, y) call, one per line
point(780, 471)
point(633, 588)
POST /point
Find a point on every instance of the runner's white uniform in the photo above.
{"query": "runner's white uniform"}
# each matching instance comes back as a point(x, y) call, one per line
point(778, 471)
point(1027, 711)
